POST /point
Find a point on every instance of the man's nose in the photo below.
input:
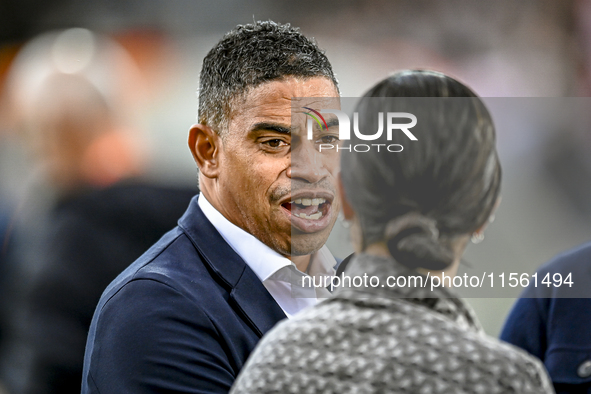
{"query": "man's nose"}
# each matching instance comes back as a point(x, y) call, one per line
point(307, 163)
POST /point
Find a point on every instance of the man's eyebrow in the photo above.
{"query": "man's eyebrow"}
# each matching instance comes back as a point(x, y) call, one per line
point(332, 122)
point(271, 126)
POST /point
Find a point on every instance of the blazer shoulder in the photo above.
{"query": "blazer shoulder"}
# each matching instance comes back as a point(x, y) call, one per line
point(154, 333)
point(172, 261)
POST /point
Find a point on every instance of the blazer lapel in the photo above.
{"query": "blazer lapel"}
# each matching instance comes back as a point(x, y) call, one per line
point(255, 302)
point(250, 298)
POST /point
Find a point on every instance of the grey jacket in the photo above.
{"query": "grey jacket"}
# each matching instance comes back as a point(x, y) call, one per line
point(388, 340)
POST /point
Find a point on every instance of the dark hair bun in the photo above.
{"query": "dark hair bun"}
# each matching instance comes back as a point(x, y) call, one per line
point(412, 240)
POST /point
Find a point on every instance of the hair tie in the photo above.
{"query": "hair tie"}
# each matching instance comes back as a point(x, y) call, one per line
point(413, 240)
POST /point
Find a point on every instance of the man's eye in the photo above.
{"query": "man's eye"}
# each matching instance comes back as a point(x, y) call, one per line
point(275, 143)
point(328, 139)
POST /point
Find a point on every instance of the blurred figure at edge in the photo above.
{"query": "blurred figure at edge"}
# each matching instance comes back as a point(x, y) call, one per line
point(74, 96)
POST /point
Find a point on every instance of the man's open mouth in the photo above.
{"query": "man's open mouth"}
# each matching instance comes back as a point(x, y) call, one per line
point(309, 212)
point(308, 208)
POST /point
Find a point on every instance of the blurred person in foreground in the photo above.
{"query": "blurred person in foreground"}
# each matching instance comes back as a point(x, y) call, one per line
point(72, 93)
point(185, 316)
point(549, 320)
point(412, 212)
point(552, 322)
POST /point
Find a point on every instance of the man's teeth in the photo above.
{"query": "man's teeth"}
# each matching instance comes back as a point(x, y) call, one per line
point(314, 216)
point(310, 201)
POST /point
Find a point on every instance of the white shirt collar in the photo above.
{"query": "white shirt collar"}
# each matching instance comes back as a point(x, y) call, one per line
point(265, 262)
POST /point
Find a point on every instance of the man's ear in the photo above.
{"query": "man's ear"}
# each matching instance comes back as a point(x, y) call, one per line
point(205, 145)
point(347, 210)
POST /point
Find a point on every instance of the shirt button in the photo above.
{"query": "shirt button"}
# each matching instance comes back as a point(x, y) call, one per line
point(584, 370)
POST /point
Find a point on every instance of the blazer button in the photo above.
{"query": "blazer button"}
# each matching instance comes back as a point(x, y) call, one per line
point(584, 370)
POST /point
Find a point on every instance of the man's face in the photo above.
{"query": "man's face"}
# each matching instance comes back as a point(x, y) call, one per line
point(267, 165)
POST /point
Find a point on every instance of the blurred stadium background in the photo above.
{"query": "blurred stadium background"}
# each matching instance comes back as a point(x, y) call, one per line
point(505, 48)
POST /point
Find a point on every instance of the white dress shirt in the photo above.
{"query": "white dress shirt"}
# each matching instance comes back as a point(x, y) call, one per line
point(279, 275)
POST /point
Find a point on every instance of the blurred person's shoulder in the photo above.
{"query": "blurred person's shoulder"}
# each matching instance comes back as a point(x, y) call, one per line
point(129, 205)
point(105, 229)
point(576, 260)
point(160, 264)
point(563, 278)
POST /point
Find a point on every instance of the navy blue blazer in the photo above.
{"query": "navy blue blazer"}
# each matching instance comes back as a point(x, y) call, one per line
point(182, 318)
point(558, 330)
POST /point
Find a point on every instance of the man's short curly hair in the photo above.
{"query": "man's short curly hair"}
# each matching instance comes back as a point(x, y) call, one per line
point(251, 55)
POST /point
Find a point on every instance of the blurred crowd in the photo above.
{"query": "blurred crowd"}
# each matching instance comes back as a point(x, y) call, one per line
point(86, 210)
